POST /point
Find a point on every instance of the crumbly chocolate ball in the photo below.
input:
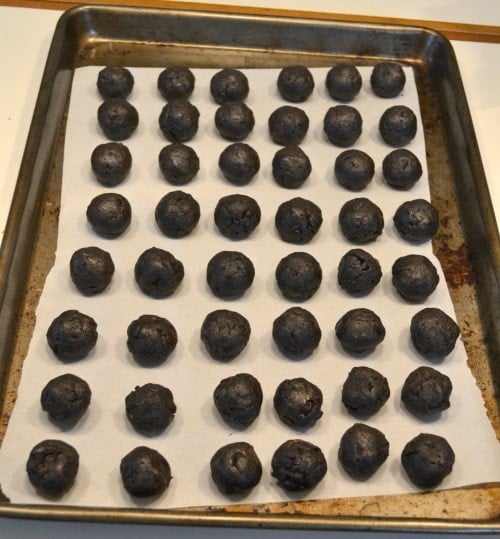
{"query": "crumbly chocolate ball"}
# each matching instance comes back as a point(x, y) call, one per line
point(150, 408)
point(298, 276)
point(228, 86)
point(179, 120)
point(288, 125)
point(234, 121)
point(239, 163)
point(401, 169)
point(360, 330)
point(151, 339)
point(361, 220)
point(296, 333)
point(225, 334)
point(238, 399)
point(118, 118)
point(427, 459)
point(145, 472)
point(177, 214)
point(398, 125)
point(298, 465)
point(416, 220)
point(65, 397)
point(365, 391)
point(298, 220)
point(158, 273)
point(354, 169)
point(235, 468)
point(291, 167)
point(109, 214)
point(342, 125)
point(426, 391)
point(433, 333)
point(176, 82)
point(237, 216)
point(298, 402)
point(72, 335)
point(91, 270)
point(359, 272)
point(115, 81)
point(362, 451)
point(295, 83)
point(179, 163)
point(414, 277)
point(230, 274)
point(52, 467)
point(387, 79)
point(111, 162)
point(343, 82)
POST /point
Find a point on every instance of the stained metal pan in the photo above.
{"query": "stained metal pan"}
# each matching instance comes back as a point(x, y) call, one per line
point(467, 244)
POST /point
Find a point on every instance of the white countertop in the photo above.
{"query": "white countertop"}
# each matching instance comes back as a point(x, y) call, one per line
point(25, 36)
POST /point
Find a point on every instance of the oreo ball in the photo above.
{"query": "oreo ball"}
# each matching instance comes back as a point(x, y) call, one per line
point(414, 277)
point(91, 270)
point(298, 403)
point(230, 274)
point(365, 391)
point(237, 216)
point(179, 163)
point(145, 472)
point(296, 333)
point(401, 169)
point(150, 408)
point(288, 125)
point(151, 339)
point(426, 391)
point(179, 120)
point(387, 79)
point(115, 81)
point(228, 86)
point(360, 330)
point(416, 220)
point(109, 214)
point(177, 214)
point(343, 82)
point(176, 82)
point(158, 273)
point(117, 118)
point(342, 125)
point(239, 163)
point(111, 162)
point(238, 399)
point(65, 398)
point(360, 220)
point(234, 121)
point(225, 334)
point(295, 83)
point(298, 220)
point(433, 333)
point(354, 169)
point(398, 125)
point(72, 335)
point(358, 272)
point(291, 167)
point(298, 276)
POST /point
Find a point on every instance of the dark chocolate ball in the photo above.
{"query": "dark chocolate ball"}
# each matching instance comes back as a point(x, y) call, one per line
point(365, 391)
point(416, 220)
point(427, 459)
point(360, 330)
point(72, 335)
point(228, 86)
point(118, 118)
point(91, 270)
point(343, 82)
point(145, 472)
point(295, 83)
point(354, 169)
point(238, 399)
point(178, 163)
point(362, 451)
point(176, 82)
point(414, 277)
point(298, 403)
point(398, 125)
point(235, 468)
point(291, 167)
point(288, 125)
point(109, 214)
point(65, 397)
point(225, 334)
point(151, 339)
point(361, 221)
point(52, 467)
point(433, 333)
point(237, 216)
point(239, 163)
point(296, 333)
point(179, 120)
point(177, 214)
point(158, 273)
point(342, 125)
point(387, 79)
point(150, 408)
point(234, 121)
point(298, 276)
point(359, 272)
point(401, 169)
point(230, 274)
point(111, 162)
point(115, 81)
point(298, 465)
point(298, 220)
point(426, 391)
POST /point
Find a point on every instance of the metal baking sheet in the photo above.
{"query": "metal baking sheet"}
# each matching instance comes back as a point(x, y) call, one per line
point(142, 37)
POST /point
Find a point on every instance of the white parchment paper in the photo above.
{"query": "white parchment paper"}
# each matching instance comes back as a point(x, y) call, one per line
point(103, 436)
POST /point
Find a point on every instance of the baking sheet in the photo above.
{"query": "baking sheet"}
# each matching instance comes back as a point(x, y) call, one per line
point(104, 436)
